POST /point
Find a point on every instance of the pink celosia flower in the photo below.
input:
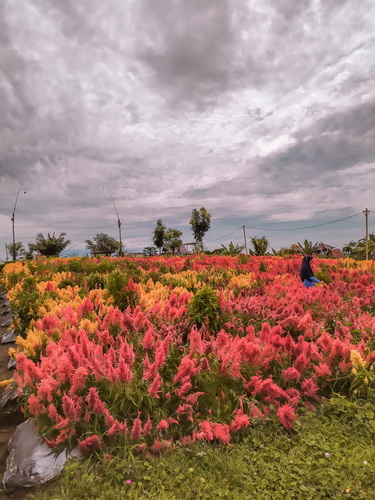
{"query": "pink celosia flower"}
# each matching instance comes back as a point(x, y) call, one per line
point(154, 388)
point(322, 370)
point(240, 421)
point(78, 380)
point(193, 398)
point(147, 427)
point(291, 374)
point(221, 432)
point(163, 424)
point(286, 416)
point(94, 402)
point(137, 428)
point(184, 389)
point(91, 443)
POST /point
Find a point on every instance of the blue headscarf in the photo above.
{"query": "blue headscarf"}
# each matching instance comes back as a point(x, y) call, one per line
point(306, 272)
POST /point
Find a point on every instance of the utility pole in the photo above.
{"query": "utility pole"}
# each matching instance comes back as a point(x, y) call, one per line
point(118, 222)
point(366, 212)
point(12, 219)
point(244, 235)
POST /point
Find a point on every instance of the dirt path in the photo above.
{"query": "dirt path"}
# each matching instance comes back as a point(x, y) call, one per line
point(10, 416)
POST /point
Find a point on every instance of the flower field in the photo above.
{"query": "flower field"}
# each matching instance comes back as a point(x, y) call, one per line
point(153, 351)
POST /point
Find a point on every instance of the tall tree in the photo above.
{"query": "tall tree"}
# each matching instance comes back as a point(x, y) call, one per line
point(159, 235)
point(172, 240)
point(200, 222)
point(103, 243)
point(51, 246)
point(16, 250)
point(260, 245)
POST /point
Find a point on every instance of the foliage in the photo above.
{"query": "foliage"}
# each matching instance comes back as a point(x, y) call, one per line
point(103, 243)
point(16, 250)
point(172, 240)
point(149, 353)
point(205, 310)
point(200, 222)
point(231, 249)
point(329, 455)
point(149, 251)
point(159, 235)
point(308, 247)
point(50, 246)
point(260, 245)
point(357, 249)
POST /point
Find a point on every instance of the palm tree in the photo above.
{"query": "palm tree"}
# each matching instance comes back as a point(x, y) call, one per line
point(260, 245)
point(308, 248)
point(51, 246)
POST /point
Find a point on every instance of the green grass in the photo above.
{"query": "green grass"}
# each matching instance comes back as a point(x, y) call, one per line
point(270, 463)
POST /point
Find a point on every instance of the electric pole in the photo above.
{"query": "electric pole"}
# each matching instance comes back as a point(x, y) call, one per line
point(118, 221)
point(244, 235)
point(366, 212)
point(12, 219)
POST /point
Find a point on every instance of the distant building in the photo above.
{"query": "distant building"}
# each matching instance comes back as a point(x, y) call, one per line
point(328, 251)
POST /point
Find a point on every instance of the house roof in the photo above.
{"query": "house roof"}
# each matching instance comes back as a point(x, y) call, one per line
point(324, 246)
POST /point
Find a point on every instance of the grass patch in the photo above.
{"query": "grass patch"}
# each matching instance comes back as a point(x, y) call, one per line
point(330, 455)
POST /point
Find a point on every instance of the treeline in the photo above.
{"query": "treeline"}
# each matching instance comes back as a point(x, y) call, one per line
point(169, 240)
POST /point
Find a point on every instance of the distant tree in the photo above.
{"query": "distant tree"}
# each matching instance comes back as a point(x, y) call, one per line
point(159, 235)
point(172, 240)
point(51, 246)
point(200, 222)
point(357, 249)
point(280, 253)
point(231, 249)
point(103, 243)
point(260, 245)
point(307, 247)
point(16, 250)
point(149, 251)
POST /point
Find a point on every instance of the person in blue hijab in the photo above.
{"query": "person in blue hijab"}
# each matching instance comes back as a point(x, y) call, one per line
point(306, 273)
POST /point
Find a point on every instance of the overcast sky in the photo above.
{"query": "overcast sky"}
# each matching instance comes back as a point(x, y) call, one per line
point(263, 112)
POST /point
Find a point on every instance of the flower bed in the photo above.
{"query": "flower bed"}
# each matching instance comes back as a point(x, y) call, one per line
point(152, 351)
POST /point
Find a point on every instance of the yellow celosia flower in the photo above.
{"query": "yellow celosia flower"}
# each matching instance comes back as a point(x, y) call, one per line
point(7, 383)
point(89, 326)
point(356, 359)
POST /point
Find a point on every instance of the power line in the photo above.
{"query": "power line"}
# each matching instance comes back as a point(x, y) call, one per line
point(304, 227)
point(222, 237)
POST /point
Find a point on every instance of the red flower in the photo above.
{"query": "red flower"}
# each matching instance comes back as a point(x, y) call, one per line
point(137, 428)
point(155, 386)
point(291, 374)
point(322, 370)
point(221, 432)
point(286, 416)
point(163, 424)
point(240, 421)
point(91, 443)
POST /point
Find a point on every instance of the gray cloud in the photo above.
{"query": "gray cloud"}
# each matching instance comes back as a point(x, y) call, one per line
point(262, 112)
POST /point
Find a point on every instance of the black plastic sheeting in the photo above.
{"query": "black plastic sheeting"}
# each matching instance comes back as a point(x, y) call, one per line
point(7, 322)
point(12, 363)
point(8, 337)
point(8, 395)
point(31, 461)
